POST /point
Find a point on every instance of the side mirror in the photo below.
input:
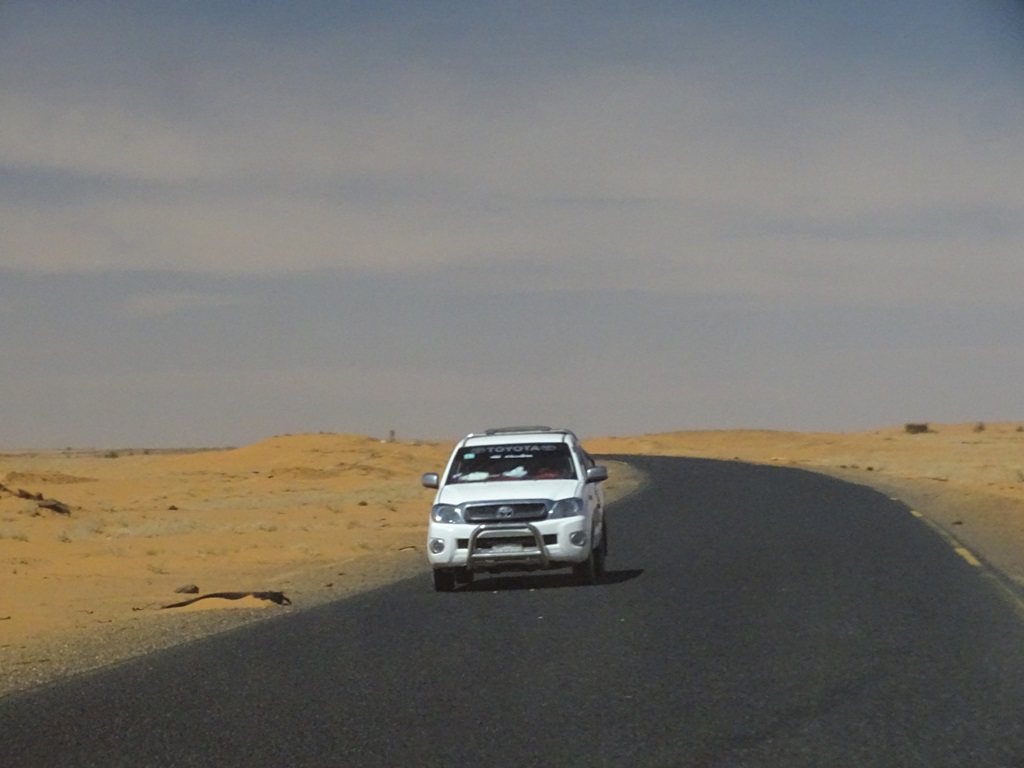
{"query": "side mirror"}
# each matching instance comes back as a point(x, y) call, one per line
point(597, 474)
point(430, 480)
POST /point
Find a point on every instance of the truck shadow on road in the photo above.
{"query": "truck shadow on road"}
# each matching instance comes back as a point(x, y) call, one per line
point(500, 582)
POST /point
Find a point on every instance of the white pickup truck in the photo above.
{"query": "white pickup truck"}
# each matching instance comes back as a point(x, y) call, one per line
point(517, 498)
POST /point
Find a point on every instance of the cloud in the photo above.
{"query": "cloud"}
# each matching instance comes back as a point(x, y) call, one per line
point(714, 177)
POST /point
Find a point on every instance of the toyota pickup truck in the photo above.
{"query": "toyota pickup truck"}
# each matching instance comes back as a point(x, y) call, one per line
point(517, 499)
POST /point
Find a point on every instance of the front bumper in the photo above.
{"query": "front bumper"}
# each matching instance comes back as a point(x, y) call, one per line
point(508, 546)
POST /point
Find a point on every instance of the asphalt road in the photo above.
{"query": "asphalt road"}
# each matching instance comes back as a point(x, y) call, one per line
point(752, 616)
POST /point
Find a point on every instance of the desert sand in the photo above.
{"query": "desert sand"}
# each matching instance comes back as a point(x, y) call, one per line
point(298, 520)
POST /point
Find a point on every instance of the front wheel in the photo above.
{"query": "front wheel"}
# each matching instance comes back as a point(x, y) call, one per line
point(602, 552)
point(444, 580)
point(586, 572)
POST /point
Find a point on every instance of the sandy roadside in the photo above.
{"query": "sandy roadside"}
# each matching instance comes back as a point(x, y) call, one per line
point(318, 517)
point(312, 518)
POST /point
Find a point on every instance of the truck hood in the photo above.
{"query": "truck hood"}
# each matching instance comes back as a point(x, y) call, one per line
point(461, 493)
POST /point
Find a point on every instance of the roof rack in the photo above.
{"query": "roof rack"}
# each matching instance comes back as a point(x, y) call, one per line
point(512, 430)
point(493, 431)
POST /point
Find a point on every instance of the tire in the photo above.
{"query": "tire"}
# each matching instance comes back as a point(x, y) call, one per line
point(444, 580)
point(586, 572)
point(602, 552)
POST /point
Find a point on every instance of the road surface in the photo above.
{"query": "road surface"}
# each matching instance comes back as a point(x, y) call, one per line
point(752, 616)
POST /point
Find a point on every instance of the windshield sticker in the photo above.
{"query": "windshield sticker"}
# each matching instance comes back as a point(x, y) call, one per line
point(527, 449)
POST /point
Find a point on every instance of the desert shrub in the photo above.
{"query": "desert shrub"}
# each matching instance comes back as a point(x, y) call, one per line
point(153, 529)
point(14, 534)
point(261, 526)
point(916, 429)
point(83, 530)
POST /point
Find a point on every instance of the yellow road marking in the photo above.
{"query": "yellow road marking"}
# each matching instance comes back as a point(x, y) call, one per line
point(1010, 594)
point(968, 556)
point(964, 552)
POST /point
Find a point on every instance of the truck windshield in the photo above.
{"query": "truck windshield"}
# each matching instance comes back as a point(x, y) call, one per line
point(518, 461)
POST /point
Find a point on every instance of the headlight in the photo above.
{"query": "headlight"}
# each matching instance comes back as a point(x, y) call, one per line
point(446, 513)
point(566, 508)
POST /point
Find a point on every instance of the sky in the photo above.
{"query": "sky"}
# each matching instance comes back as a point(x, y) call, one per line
point(221, 222)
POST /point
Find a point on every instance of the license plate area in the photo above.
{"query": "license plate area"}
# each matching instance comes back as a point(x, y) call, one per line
point(506, 544)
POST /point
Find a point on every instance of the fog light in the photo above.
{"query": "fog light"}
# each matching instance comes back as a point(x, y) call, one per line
point(437, 546)
point(578, 538)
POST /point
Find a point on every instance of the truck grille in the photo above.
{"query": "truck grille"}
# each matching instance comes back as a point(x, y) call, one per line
point(501, 513)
